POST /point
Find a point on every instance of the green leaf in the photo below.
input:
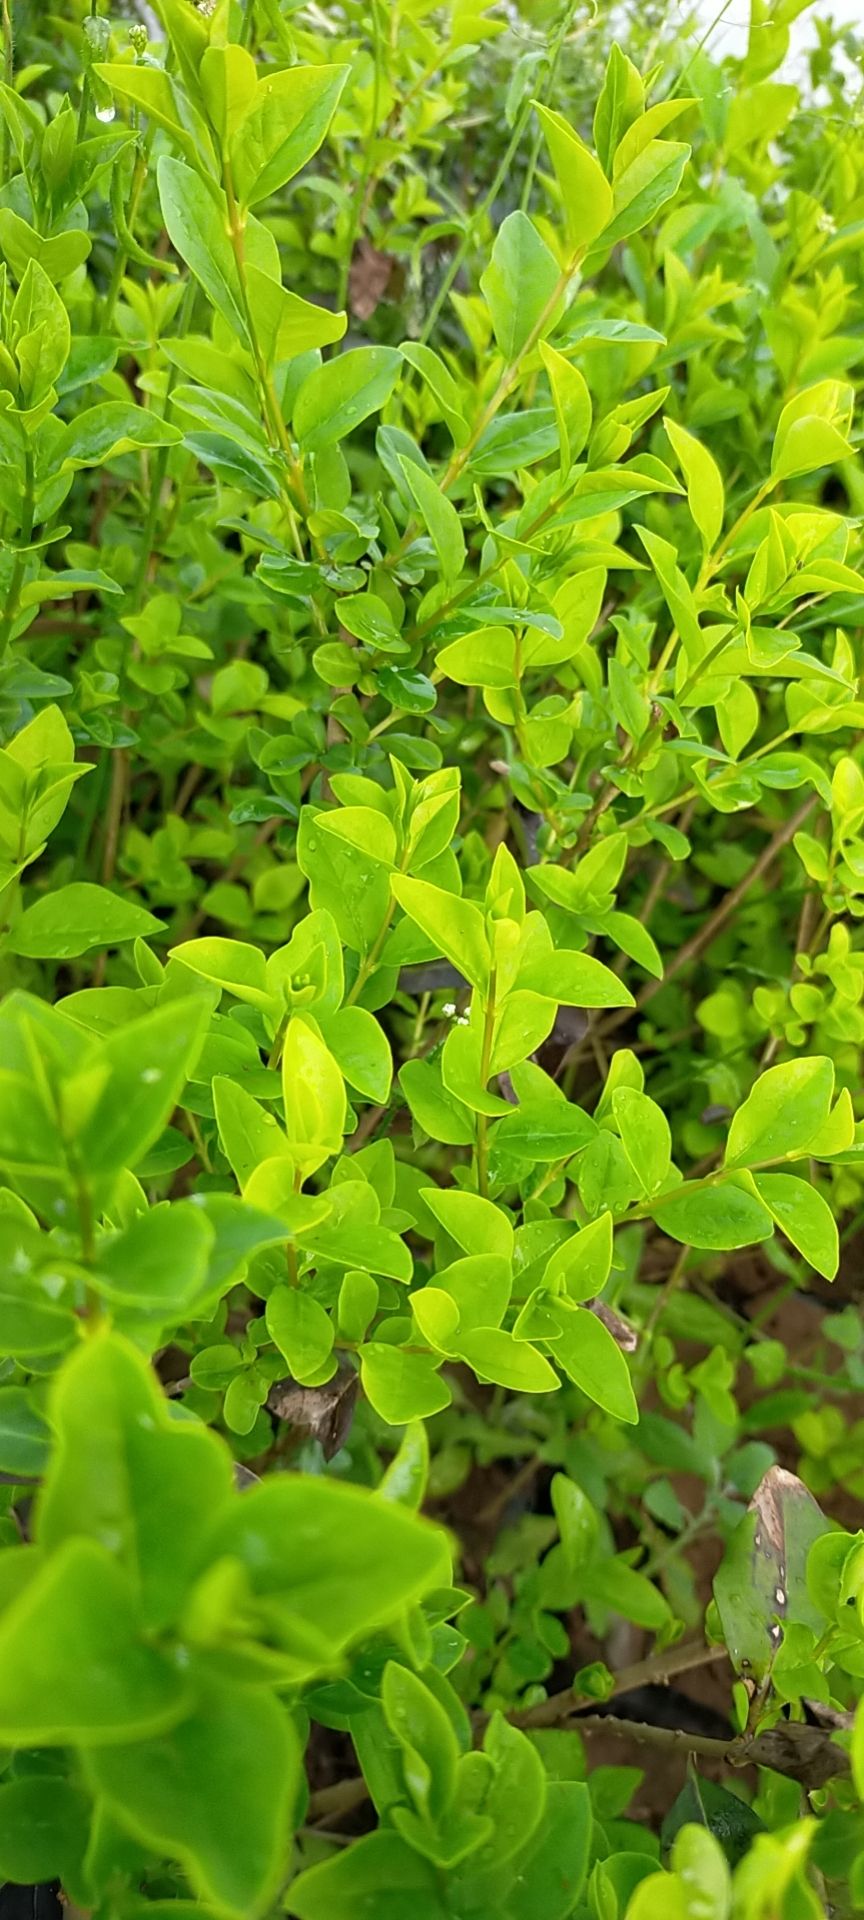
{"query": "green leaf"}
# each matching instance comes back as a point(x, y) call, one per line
point(484, 658)
point(575, 980)
point(804, 1217)
point(762, 1577)
point(784, 1111)
point(716, 1217)
point(585, 191)
point(185, 1795)
point(102, 433)
point(36, 1313)
point(705, 493)
point(250, 1135)
point(519, 283)
point(620, 102)
point(498, 1356)
point(644, 186)
point(572, 402)
point(407, 1476)
point(285, 323)
point(328, 1562)
point(44, 1823)
point(159, 1262)
point(238, 968)
point(72, 1665)
point(547, 1878)
point(455, 926)
point(302, 1331)
point(284, 127)
point(441, 518)
point(425, 1735)
point(589, 1356)
point(335, 398)
point(126, 1474)
point(125, 1093)
point(196, 219)
point(77, 918)
point(644, 1130)
point(156, 93)
point(441, 383)
point(359, 1046)
point(578, 1521)
point(812, 429)
point(229, 82)
point(544, 1130)
point(474, 1223)
point(401, 1386)
point(583, 1262)
point(355, 1882)
point(25, 1436)
point(436, 1110)
point(314, 1093)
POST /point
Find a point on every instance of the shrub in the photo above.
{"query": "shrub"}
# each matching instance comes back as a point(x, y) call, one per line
point(431, 809)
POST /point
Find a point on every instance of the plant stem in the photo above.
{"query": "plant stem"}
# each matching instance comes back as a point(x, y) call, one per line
point(9, 81)
point(485, 1064)
point(19, 566)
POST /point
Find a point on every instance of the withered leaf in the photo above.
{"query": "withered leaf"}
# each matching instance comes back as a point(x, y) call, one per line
point(762, 1574)
point(368, 279)
point(323, 1413)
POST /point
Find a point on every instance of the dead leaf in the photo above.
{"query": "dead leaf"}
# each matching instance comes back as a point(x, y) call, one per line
point(806, 1754)
point(324, 1413)
point(763, 1572)
point(368, 279)
point(623, 1335)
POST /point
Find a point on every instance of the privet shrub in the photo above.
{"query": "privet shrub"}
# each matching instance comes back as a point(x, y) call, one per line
point(431, 814)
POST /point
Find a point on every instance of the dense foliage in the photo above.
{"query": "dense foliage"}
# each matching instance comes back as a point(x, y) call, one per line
point(432, 843)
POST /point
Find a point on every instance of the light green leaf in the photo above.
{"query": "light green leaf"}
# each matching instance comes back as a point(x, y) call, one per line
point(585, 191)
point(185, 1795)
point(484, 658)
point(575, 980)
point(474, 1223)
point(498, 1356)
point(572, 402)
point(644, 1130)
point(335, 398)
point(75, 919)
point(782, 1114)
point(544, 1130)
point(284, 127)
point(402, 1386)
point(196, 218)
point(590, 1357)
point(455, 926)
point(519, 283)
point(705, 492)
point(441, 518)
point(73, 1667)
point(582, 1263)
point(805, 1218)
point(302, 1331)
point(721, 1216)
point(314, 1094)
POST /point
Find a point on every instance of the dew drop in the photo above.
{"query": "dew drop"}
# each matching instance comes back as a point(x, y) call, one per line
point(106, 115)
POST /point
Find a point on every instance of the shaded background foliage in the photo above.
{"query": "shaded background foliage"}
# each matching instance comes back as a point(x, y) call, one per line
point(431, 815)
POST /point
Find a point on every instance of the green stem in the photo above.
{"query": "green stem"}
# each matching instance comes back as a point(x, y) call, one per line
point(361, 195)
point(9, 81)
point(485, 1065)
point(16, 579)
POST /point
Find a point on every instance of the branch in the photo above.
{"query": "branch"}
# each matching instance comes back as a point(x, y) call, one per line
point(730, 903)
point(657, 1670)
